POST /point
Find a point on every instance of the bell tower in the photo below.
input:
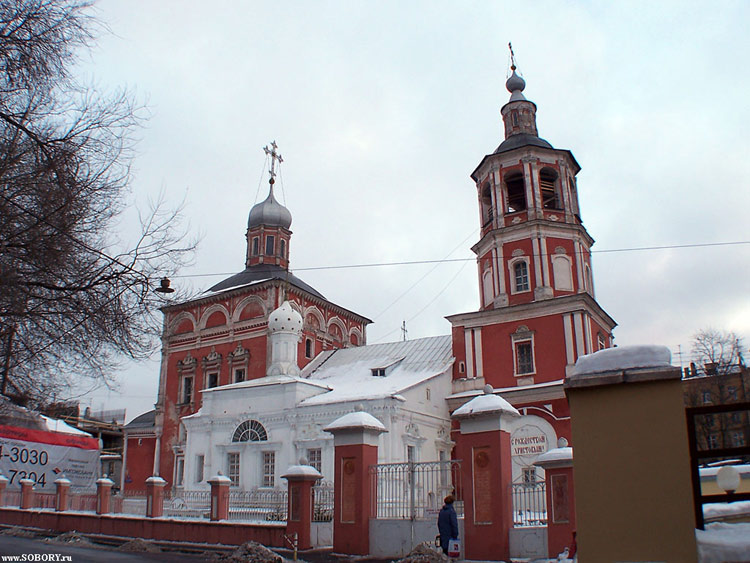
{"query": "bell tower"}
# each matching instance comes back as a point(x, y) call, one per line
point(537, 312)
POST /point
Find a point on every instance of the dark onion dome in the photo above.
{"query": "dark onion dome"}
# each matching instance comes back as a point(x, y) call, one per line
point(269, 213)
point(515, 83)
point(263, 272)
point(522, 140)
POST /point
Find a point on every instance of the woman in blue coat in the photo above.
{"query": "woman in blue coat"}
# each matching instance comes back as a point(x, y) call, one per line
point(447, 523)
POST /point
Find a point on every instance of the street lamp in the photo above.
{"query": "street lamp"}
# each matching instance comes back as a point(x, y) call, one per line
point(728, 479)
point(164, 286)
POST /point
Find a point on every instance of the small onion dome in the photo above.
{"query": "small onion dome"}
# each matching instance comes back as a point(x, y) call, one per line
point(285, 319)
point(515, 83)
point(269, 213)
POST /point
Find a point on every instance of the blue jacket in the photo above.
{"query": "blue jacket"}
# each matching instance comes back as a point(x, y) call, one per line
point(447, 525)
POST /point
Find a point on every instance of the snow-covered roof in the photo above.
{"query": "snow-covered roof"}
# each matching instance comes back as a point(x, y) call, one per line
point(488, 403)
point(54, 425)
point(348, 372)
point(357, 419)
point(623, 358)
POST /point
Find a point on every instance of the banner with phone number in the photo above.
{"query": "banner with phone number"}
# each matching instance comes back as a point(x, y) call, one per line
point(45, 456)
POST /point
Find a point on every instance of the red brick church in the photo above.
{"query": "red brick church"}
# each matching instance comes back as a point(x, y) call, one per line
point(537, 311)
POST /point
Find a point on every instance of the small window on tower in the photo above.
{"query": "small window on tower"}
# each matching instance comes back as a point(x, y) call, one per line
point(282, 248)
point(308, 348)
point(269, 245)
point(521, 276)
point(524, 358)
point(487, 204)
point(516, 191)
point(548, 184)
point(256, 246)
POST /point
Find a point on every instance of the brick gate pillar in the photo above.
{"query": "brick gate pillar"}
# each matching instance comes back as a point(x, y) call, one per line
point(634, 495)
point(484, 446)
point(561, 501)
point(219, 497)
point(103, 495)
point(355, 437)
point(155, 496)
point(62, 490)
point(27, 493)
point(3, 485)
point(301, 479)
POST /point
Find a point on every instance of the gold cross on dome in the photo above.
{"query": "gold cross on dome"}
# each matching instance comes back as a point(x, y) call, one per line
point(274, 157)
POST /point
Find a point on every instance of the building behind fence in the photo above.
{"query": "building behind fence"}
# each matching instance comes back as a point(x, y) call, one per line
point(414, 490)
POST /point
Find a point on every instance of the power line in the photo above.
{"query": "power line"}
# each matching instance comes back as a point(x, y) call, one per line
point(471, 259)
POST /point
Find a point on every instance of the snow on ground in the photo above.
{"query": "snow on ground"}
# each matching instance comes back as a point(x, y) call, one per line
point(721, 542)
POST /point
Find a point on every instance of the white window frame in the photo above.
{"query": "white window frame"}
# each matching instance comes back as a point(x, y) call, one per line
point(523, 335)
point(315, 458)
point(512, 273)
point(183, 389)
point(268, 469)
point(208, 379)
point(233, 468)
point(242, 371)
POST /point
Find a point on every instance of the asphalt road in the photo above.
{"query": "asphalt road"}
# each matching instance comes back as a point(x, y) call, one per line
point(35, 550)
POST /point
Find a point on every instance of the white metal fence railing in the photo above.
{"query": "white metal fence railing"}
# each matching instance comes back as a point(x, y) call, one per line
point(323, 502)
point(529, 504)
point(414, 490)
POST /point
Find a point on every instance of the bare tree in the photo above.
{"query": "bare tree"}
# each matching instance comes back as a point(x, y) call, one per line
point(717, 351)
point(72, 298)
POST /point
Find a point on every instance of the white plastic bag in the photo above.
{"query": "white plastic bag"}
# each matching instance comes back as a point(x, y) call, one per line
point(454, 548)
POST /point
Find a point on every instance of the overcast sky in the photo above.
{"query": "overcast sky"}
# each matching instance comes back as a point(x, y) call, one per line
point(381, 111)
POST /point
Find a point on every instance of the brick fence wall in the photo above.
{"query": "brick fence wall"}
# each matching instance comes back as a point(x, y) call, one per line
point(227, 533)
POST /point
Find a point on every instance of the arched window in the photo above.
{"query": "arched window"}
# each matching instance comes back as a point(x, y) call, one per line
point(548, 185)
point(521, 276)
point(516, 191)
point(250, 431)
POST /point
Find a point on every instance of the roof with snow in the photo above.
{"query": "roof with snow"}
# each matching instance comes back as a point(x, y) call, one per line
point(377, 371)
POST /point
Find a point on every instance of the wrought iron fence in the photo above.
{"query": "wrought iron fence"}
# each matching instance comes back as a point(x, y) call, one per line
point(529, 504)
point(85, 502)
point(255, 505)
point(414, 490)
point(323, 502)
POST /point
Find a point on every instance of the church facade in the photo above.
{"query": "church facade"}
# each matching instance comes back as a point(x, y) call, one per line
point(239, 396)
point(221, 337)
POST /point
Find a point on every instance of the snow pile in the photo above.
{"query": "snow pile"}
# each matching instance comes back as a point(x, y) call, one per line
point(140, 545)
point(425, 553)
point(18, 532)
point(250, 552)
point(723, 510)
point(71, 537)
point(623, 358)
point(721, 542)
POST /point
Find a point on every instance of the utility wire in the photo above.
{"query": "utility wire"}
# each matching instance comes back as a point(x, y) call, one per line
point(448, 260)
